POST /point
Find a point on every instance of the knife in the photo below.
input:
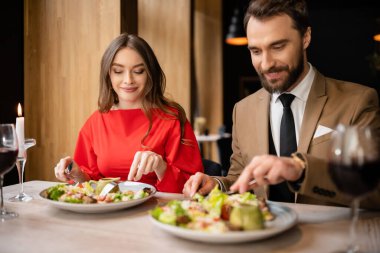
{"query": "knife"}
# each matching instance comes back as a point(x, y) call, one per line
point(110, 187)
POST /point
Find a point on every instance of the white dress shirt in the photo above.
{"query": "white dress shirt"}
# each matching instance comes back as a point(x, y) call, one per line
point(301, 92)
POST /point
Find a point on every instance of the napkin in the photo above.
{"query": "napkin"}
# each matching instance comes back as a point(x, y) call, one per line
point(322, 130)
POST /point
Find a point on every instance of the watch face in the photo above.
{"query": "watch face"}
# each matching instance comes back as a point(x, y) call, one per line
point(298, 155)
point(300, 159)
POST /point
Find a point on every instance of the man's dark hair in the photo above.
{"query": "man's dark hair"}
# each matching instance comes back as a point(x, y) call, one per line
point(295, 9)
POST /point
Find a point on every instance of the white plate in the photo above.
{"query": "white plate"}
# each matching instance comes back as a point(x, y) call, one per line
point(285, 219)
point(105, 207)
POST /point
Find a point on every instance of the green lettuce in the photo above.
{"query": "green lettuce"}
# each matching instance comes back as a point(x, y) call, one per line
point(214, 201)
point(55, 192)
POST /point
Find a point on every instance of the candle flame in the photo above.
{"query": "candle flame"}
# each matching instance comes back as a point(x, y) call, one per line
point(19, 110)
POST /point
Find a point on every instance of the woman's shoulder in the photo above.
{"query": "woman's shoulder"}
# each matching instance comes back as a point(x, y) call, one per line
point(169, 113)
point(94, 116)
point(92, 119)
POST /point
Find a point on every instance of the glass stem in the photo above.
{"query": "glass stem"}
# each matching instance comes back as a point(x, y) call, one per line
point(2, 199)
point(21, 174)
point(353, 247)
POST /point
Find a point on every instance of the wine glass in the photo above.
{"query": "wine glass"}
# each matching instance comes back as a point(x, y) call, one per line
point(8, 155)
point(21, 161)
point(354, 168)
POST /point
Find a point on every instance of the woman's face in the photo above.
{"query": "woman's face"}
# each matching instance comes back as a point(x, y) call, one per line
point(128, 77)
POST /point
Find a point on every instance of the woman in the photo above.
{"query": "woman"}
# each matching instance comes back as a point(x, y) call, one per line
point(137, 133)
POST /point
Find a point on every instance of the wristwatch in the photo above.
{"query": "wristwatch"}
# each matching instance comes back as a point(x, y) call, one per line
point(300, 159)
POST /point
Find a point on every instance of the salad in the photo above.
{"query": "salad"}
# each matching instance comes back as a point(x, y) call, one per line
point(89, 193)
point(216, 213)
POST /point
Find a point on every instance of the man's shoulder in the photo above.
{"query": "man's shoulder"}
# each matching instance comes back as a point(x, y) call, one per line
point(253, 98)
point(346, 87)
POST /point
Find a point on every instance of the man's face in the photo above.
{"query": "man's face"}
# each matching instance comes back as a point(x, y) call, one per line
point(277, 52)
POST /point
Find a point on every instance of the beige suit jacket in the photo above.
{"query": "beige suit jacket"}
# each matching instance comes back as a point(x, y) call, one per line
point(330, 102)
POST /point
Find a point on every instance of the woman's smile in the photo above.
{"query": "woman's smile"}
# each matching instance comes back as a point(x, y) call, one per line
point(129, 89)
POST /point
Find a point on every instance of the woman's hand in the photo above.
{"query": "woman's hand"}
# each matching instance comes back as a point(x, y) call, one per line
point(75, 174)
point(146, 162)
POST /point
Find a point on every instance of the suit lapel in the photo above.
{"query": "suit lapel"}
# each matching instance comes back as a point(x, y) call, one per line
point(262, 122)
point(314, 106)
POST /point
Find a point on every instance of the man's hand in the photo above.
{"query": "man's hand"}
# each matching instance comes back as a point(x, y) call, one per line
point(200, 183)
point(268, 169)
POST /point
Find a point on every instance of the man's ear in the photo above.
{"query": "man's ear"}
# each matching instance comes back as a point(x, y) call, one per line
point(307, 38)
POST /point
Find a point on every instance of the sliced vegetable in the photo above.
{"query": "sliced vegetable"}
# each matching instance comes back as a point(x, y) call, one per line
point(216, 213)
point(86, 193)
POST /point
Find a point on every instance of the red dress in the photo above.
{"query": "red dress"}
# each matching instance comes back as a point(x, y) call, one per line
point(108, 142)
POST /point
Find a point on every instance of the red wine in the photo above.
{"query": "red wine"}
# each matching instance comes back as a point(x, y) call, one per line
point(7, 159)
point(356, 180)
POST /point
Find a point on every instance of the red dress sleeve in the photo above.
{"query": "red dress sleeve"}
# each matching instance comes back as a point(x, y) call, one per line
point(183, 159)
point(85, 156)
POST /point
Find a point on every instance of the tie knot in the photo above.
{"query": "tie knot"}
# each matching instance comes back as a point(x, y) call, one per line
point(286, 99)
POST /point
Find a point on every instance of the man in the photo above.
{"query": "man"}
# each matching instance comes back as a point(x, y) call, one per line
point(267, 129)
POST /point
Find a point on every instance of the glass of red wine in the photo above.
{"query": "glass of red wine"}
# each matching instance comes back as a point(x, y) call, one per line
point(8, 156)
point(354, 168)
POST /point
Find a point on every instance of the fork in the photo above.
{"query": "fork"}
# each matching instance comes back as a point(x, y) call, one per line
point(233, 192)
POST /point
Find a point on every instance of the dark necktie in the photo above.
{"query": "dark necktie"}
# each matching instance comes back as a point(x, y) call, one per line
point(288, 142)
point(288, 145)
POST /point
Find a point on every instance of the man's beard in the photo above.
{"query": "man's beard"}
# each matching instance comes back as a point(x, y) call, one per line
point(293, 75)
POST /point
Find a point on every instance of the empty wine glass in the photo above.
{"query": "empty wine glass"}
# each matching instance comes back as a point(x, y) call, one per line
point(8, 155)
point(354, 168)
point(21, 161)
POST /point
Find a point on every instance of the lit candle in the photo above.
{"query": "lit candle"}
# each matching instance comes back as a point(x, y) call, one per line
point(20, 131)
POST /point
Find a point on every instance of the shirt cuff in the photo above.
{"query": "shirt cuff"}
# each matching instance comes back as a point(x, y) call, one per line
point(222, 187)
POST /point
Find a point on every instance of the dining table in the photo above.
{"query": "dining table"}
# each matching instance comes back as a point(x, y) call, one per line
point(41, 227)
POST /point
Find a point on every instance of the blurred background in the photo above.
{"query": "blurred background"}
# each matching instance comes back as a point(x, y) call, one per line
point(51, 50)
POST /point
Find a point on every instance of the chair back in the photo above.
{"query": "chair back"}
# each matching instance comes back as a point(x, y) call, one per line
point(212, 168)
point(225, 152)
